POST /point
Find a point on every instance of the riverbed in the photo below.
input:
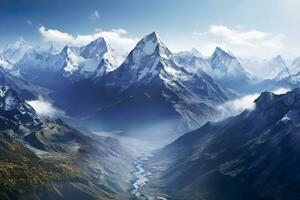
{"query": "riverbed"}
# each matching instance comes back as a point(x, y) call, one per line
point(141, 179)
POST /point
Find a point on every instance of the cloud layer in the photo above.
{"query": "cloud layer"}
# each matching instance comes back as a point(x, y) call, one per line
point(46, 109)
point(236, 106)
point(244, 42)
point(117, 38)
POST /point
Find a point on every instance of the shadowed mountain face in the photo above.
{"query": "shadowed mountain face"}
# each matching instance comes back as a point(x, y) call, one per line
point(42, 159)
point(251, 156)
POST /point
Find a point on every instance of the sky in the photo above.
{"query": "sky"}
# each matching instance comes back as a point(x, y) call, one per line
point(248, 28)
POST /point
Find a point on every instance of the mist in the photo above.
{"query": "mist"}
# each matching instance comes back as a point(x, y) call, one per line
point(46, 109)
point(236, 106)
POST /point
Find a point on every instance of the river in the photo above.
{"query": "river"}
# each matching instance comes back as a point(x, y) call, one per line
point(141, 179)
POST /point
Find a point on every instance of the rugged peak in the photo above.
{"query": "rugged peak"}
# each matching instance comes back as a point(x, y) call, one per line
point(20, 42)
point(151, 44)
point(95, 48)
point(195, 52)
point(221, 53)
point(14, 52)
point(284, 73)
point(152, 36)
point(278, 61)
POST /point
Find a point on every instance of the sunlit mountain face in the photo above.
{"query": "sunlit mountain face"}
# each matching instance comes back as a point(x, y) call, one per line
point(157, 100)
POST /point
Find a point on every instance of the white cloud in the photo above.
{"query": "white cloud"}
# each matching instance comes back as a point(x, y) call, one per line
point(29, 22)
point(117, 38)
point(237, 37)
point(236, 106)
point(45, 108)
point(95, 15)
point(52, 35)
point(242, 41)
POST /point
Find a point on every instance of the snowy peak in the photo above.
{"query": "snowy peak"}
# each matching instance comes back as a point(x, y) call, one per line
point(93, 60)
point(221, 55)
point(196, 53)
point(192, 61)
point(20, 42)
point(284, 73)
point(278, 60)
point(151, 44)
point(225, 64)
point(14, 52)
point(277, 63)
point(188, 55)
point(145, 63)
point(94, 49)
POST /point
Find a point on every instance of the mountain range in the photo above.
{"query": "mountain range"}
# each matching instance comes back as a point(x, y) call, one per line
point(155, 96)
point(93, 85)
point(87, 82)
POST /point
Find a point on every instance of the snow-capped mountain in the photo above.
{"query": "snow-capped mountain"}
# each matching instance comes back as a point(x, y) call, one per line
point(92, 60)
point(149, 79)
point(14, 52)
point(279, 67)
point(283, 74)
point(225, 66)
point(295, 66)
point(192, 61)
point(35, 60)
point(268, 68)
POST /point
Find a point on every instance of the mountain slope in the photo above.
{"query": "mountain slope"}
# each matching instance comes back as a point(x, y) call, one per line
point(251, 156)
point(24, 88)
point(44, 159)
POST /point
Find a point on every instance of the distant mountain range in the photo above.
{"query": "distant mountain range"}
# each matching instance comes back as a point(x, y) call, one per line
point(88, 82)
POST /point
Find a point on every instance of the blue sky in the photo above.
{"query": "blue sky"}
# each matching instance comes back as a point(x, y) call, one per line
point(249, 28)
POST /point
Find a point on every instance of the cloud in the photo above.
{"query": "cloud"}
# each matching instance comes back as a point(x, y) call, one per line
point(52, 35)
point(95, 15)
point(45, 108)
point(117, 38)
point(244, 42)
point(29, 22)
point(236, 106)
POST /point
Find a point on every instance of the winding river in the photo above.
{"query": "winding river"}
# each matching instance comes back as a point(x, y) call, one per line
point(141, 179)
